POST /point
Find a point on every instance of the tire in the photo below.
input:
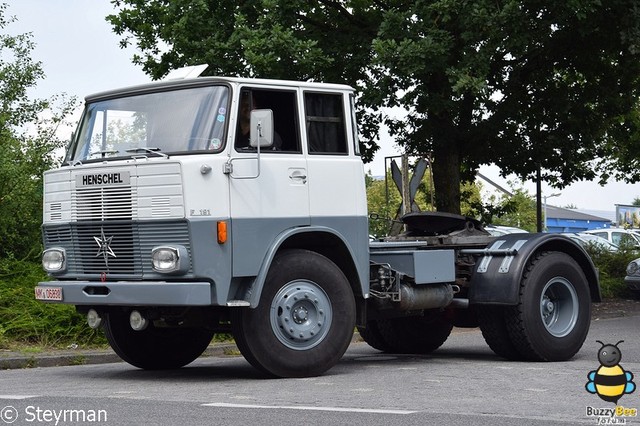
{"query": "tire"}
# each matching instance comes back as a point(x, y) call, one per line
point(371, 335)
point(304, 320)
point(155, 348)
point(552, 319)
point(413, 335)
point(495, 333)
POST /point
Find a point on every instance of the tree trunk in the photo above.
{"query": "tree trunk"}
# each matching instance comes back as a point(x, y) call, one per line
point(446, 176)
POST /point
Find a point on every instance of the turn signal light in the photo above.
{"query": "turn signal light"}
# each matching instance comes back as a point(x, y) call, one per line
point(222, 232)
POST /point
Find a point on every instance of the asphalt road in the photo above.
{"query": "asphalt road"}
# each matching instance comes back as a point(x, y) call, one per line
point(463, 383)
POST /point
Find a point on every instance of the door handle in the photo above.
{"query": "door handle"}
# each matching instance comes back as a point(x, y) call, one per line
point(298, 175)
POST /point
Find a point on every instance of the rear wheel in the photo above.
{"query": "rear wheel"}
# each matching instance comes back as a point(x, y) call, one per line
point(304, 321)
point(494, 330)
point(371, 335)
point(552, 319)
point(155, 348)
point(409, 335)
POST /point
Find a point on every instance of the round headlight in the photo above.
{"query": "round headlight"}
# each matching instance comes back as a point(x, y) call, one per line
point(170, 259)
point(53, 260)
point(633, 267)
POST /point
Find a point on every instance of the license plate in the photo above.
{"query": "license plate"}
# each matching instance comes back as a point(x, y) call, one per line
point(49, 293)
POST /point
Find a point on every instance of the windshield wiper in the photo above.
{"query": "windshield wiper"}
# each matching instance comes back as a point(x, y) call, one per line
point(148, 150)
point(103, 153)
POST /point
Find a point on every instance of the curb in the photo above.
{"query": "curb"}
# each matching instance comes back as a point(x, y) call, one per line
point(81, 357)
point(69, 357)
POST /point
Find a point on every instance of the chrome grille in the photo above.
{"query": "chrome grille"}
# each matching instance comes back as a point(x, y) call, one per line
point(130, 242)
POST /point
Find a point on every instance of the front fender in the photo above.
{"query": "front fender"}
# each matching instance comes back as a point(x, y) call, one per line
point(254, 292)
point(496, 279)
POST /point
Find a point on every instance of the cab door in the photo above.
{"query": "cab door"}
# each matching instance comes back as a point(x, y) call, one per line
point(337, 193)
point(268, 190)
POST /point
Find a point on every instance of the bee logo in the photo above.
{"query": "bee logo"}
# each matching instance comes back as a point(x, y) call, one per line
point(610, 381)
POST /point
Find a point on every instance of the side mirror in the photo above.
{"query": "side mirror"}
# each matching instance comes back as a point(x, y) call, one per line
point(261, 128)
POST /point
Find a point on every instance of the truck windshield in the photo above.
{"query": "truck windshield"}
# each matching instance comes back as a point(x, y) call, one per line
point(169, 122)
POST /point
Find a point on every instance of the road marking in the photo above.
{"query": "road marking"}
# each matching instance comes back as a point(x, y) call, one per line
point(306, 408)
point(17, 396)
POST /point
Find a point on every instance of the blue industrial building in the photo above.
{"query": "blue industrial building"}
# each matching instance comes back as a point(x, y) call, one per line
point(570, 220)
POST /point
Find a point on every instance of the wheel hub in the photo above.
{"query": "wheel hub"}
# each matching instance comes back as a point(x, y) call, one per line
point(559, 306)
point(301, 315)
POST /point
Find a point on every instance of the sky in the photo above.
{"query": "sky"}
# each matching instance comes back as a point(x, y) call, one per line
point(80, 55)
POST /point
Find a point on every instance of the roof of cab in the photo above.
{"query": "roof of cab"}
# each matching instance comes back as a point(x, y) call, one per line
point(163, 85)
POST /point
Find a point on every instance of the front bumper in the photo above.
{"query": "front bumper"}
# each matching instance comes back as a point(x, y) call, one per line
point(632, 282)
point(147, 293)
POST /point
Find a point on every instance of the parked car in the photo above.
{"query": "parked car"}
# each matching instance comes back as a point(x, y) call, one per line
point(617, 236)
point(632, 279)
point(585, 240)
point(497, 230)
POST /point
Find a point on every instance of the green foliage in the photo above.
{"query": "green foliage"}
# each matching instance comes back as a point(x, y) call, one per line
point(612, 268)
point(18, 72)
point(23, 160)
point(486, 212)
point(524, 85)
point(382, 204)
point(514, 83)
point(522, 212)
point(29, 322)
point(28, 143)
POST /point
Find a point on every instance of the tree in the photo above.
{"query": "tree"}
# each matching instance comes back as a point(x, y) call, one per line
point(531, 86)
point(487, 212)
point(522, 211)
point(527, 85)
point(382, 205)
point(28, 143)
point(288, 39)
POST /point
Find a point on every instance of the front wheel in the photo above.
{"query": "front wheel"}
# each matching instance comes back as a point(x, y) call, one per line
point(552, 319)
point(304, 321)
point(155, 348)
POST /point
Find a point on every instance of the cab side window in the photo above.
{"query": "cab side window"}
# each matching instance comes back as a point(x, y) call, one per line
point(325, 122)
point(285, 112)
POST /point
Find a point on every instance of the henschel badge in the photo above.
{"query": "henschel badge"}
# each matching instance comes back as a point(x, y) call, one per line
point(104, 244)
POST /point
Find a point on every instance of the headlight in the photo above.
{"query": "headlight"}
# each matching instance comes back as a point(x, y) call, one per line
point(54, 260)
point(633, 267)
point(170, 260)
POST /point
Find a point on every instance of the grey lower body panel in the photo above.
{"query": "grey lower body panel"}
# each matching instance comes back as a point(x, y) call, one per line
point(148, 293)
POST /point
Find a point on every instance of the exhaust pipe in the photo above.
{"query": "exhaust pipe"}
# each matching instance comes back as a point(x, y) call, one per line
point(424, 296)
